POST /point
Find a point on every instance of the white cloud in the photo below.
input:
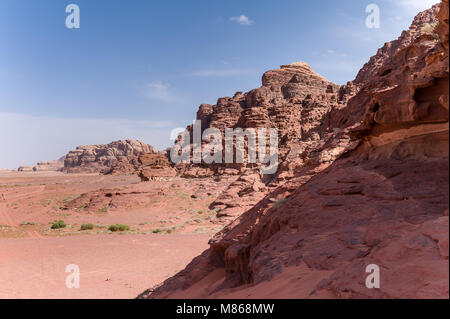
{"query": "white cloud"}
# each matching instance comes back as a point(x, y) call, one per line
point(242, 20)
point(220, 73)
point(160, 91)
point(416, 5)
point(28, 139)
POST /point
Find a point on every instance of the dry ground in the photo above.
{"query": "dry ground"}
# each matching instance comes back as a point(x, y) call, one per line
point(169, 225)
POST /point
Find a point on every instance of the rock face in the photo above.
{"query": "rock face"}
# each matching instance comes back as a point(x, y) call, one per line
point(367, 184)
point(293, 99)
point(49, 166)
point(154, 166)
point(294, 91)
point(117, 157)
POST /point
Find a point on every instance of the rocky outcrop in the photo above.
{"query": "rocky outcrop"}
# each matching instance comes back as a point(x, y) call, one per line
point(293, 99)
point(155, 166)
point(49, 166)
point(294, 91)
point(369, 186)
point(120, 155)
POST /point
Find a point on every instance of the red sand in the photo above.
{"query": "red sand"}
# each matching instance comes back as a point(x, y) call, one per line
point(111, 266)
point(33, 257)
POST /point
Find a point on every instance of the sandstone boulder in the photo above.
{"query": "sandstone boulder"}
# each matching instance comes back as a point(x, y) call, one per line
point(154, 167)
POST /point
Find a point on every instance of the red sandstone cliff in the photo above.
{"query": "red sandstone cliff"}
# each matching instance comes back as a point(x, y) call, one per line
point(369, 187)
point(293, 99)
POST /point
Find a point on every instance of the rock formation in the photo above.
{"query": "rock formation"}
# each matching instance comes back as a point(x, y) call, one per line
point(49, 166)
point(291, 92)
point(120, 155)
point(364, 181)
point(293, 99)
point(154, 167)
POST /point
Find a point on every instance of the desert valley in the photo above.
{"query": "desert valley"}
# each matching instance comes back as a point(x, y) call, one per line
point(363, 179)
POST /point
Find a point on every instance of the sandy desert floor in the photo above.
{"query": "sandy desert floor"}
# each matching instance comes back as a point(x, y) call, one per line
point(169, 225)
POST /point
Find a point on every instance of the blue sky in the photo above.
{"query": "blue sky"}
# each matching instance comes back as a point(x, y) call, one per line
point(140, 68)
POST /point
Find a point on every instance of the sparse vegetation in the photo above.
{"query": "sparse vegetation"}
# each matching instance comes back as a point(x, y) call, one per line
point(87, 227)
point(104, 209)
point(81, 207)
point(170, 230)
point(430, 28)
point(28, 224)
point(118, 227)
point(46, 202)
point(59, 224)
point(166, 230)
point(280, 203)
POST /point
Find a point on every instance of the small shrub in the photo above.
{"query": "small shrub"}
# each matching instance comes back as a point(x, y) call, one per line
point(170, 230)
point(157, 231)
point(118, 227)
point(59, 224)
point(280, 203)
point(28, 224)
point(104, 209)
point(63, 203)
point(430, 29)
point(87, 227)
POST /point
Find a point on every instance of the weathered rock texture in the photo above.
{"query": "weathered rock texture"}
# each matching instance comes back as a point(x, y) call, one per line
point(119, 157)
point(49, 166)
point(154, 167)
point(369, 187)
point(294, 100)
point(288, 94)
